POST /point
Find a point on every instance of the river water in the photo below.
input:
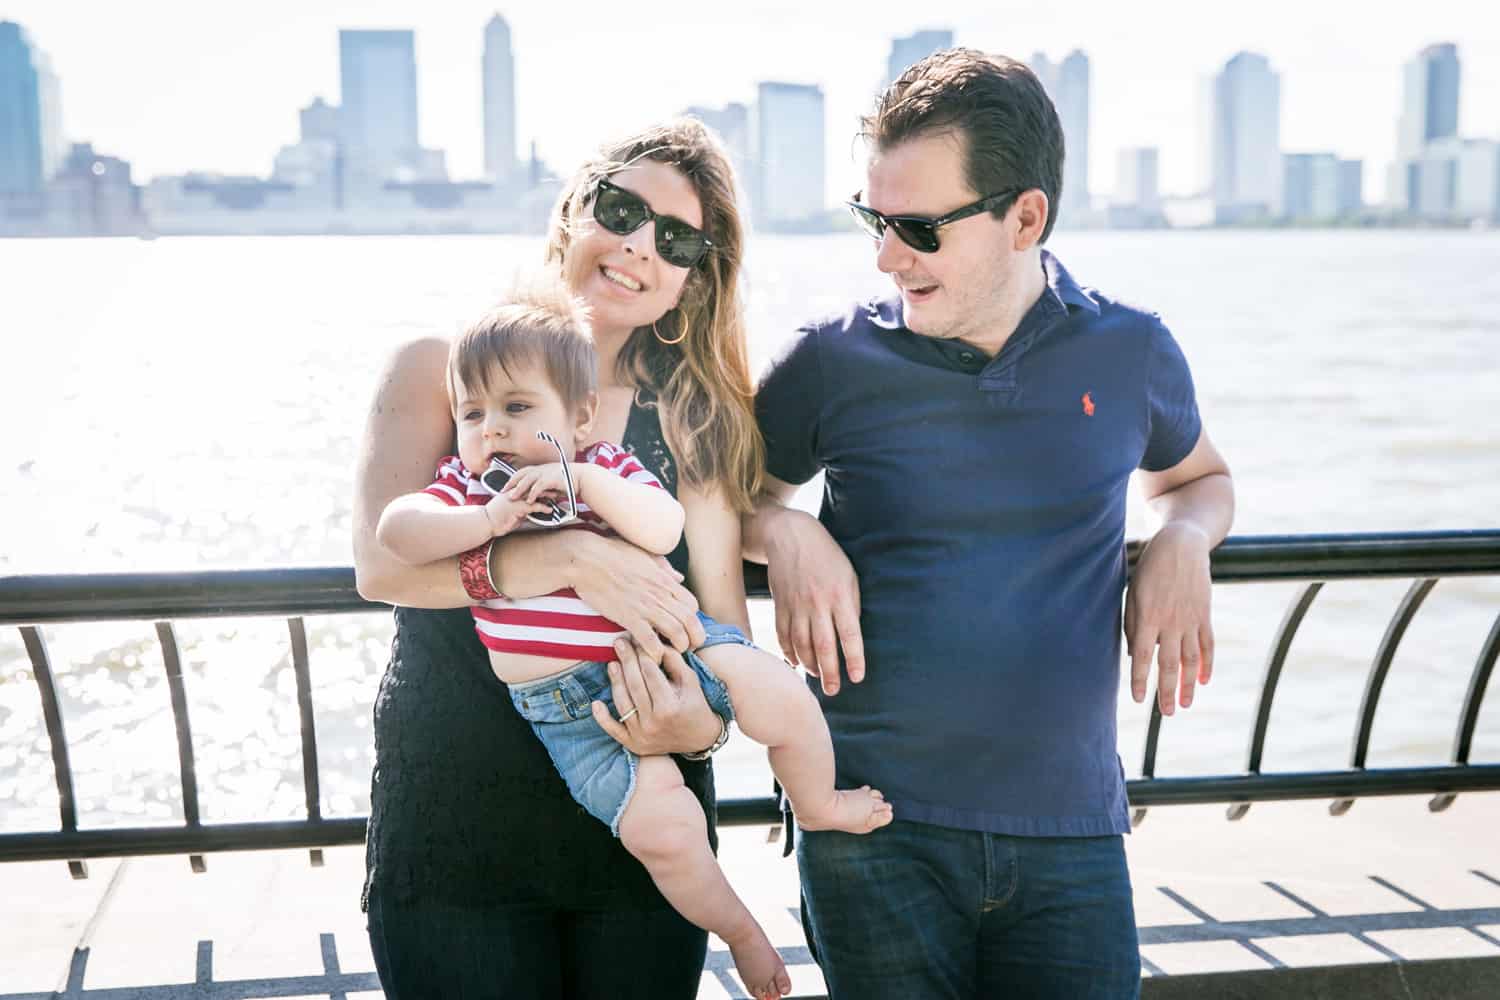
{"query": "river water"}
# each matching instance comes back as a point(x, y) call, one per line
point(187, 403)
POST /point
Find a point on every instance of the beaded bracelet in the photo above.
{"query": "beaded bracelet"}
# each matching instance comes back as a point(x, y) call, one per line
point(718, 743)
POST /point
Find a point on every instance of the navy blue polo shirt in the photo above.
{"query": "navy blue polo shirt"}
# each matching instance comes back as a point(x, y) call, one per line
point(982, 504)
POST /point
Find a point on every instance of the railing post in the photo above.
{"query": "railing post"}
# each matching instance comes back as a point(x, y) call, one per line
point(1468, 716)
point(172, 660)
point(62, 768)
point(302, 669)
point(1384, 656)
point(1290, 623)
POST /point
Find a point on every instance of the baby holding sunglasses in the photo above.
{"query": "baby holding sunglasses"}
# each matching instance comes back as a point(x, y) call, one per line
point(522, 384)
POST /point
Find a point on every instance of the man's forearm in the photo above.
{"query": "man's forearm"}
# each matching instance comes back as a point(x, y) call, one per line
point(757, 526)
point(1206, 503)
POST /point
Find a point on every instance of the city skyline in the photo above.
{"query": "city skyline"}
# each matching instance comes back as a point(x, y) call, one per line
point(1336, 97)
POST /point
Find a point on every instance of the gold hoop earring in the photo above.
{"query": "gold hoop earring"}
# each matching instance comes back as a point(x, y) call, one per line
point(663, 340)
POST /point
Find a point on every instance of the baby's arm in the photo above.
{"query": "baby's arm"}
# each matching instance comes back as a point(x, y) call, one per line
point(641, 513)
point(418, 527)
point(638, 511)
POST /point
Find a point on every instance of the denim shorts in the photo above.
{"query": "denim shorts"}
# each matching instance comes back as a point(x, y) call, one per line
point(600, 772)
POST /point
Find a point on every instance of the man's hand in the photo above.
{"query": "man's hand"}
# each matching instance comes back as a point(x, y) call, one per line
point(1167, 610)
point(663, 707)
point(640, 591)
point(817, 599)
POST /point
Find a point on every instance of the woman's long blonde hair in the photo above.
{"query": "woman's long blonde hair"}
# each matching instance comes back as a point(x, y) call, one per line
point(702, 383)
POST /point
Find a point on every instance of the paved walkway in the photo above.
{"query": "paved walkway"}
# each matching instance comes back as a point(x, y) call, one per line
point(1288, 886)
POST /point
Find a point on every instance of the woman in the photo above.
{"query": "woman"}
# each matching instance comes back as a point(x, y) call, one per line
point(484, 878)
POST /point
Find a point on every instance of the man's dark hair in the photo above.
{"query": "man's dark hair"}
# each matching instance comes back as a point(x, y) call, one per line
point(1009, 130)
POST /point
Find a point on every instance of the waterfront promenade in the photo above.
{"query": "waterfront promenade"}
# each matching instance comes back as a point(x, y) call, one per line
point(1388, 901)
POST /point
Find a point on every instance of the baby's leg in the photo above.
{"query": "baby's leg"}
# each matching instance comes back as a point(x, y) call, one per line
point(663, 827)
point(775, 709)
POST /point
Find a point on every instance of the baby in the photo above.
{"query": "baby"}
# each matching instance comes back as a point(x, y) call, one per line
point(522, 385)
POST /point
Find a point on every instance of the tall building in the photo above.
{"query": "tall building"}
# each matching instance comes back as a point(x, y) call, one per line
point(1429, 99)
point(913, 48)
point(319, 121)
point(1477, 194)
point(378, 107)
point(788, 142)
point(732, 123)
point(1429, 114)
point(1245, 138)
point(1320, 187)
point(1068, 84)
point(92, 195)
point(1136, 202)
point(499, 74)
point(1136, 179)
point(23, 89)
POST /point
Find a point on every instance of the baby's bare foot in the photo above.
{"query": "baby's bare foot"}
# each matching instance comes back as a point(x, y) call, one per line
point(853, 810)
point(760, 967)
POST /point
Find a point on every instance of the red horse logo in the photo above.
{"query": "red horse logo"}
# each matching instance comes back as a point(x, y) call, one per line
point(1088, 404)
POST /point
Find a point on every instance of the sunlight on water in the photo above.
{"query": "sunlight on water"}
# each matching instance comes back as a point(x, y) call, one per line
point(195, 402)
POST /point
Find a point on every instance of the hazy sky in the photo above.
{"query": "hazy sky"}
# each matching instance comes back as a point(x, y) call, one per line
point(173, 86)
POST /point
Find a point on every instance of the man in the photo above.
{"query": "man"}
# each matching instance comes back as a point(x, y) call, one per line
point(977, 430)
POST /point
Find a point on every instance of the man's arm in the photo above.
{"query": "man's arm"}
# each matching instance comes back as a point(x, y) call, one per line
point(1167, 606)
point(812, 583)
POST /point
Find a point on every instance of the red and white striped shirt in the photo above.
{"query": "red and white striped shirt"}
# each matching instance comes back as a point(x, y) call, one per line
point(560, 624)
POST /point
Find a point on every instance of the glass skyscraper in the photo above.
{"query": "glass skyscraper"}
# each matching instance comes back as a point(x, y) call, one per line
point(1067, 83)
point(378, 104)
point(1245, 138)
point(22, 159)
point(499, 73)
point(913, 48)
point(789, 154)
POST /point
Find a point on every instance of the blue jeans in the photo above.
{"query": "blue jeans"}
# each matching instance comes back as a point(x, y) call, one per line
point(517, 951)
point(600, 772)
point(913, 910)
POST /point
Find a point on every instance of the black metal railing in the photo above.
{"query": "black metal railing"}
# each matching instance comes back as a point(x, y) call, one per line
point(31, 602)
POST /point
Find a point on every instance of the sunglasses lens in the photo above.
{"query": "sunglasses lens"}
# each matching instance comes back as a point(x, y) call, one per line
point(868, 221)
point(619, 211)
point(920, 236)
point(679, 243)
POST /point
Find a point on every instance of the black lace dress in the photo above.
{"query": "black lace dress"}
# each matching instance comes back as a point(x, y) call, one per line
point(465, 805)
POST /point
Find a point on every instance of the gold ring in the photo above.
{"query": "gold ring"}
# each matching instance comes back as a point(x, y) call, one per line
point(627, 715)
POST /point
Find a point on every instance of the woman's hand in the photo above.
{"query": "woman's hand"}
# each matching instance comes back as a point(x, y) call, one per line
point(662, 707)
point(639, 591)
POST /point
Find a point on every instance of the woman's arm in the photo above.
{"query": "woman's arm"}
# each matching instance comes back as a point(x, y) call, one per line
point(407, 431)
point(716, 572)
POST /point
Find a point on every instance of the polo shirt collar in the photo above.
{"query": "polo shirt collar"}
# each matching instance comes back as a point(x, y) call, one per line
point(1061, 285)
point(888, 312)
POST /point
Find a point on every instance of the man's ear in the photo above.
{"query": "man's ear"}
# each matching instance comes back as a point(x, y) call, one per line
point(583, 429)
point(1031, 211)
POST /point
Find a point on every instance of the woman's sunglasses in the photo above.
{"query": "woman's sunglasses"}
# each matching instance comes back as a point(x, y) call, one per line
point(499, 473)
point(622, 213)
point(921, 234)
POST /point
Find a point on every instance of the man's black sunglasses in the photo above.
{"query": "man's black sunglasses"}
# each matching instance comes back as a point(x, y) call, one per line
point(921, 234)
point(622, 213)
